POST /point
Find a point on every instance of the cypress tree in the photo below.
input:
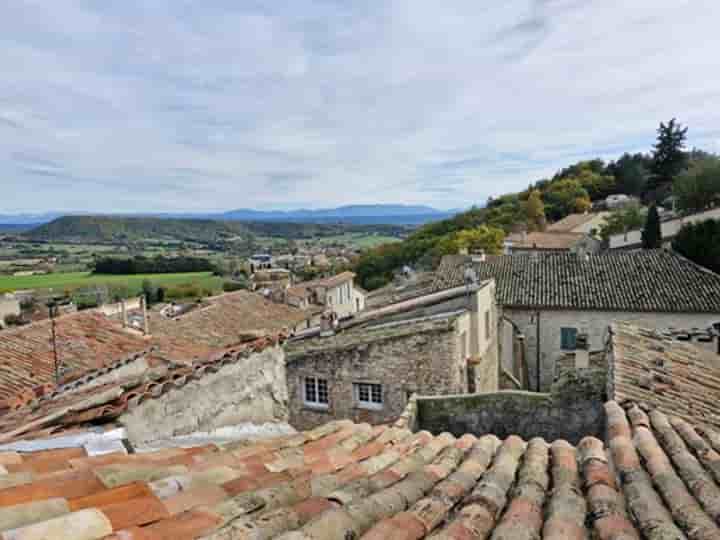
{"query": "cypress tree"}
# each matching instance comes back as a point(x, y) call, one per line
point(651, 235)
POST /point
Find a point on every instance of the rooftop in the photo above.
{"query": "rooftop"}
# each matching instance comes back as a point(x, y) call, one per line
point(545, 240)
point(657, 478)
point(101, 396)
point(227, 320)
point(673, 376)
point(85, 341)
point(645, 281)
point(572, 221)
point(360, 335)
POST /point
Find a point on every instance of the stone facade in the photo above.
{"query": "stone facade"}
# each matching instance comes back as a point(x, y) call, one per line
point(427, 361)
point(593, 323)
point(573, 410)
point(9, 305)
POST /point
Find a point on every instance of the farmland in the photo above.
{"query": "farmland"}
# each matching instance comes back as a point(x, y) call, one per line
point(69, 281)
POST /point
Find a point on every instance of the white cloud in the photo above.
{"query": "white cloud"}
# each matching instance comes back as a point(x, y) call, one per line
point(179, 105)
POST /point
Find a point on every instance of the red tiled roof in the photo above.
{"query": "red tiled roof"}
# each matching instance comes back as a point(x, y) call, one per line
point(85, 340)
point(658, 478)
point(225, 322)
point(77, 404)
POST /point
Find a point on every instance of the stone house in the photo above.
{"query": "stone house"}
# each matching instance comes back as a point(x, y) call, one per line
point(552, 299)
point(337, 294)
point(442, 343)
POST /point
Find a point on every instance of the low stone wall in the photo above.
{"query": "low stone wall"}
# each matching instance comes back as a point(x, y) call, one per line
point(573, 409)
point(253, 389)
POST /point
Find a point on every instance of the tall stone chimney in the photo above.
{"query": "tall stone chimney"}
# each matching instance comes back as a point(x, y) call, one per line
point(123, 310)
point(582, 352)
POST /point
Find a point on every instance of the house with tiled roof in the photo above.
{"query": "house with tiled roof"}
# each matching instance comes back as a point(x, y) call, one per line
point(367, 368)
point(336, 294)
point(552, 299)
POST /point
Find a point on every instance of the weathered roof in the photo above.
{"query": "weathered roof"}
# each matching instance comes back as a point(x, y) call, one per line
point(85, 341)
point(545, 240)
point(646, 280)
point(657, 478)
point(570, 222)
point(101, 396)
point(226, 321)
point(360, 335)
point(676, 377)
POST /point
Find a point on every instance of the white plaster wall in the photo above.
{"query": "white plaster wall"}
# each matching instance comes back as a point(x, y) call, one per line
point(8, 306)
point(253, 389)
point(343, 299)
point(594, 324)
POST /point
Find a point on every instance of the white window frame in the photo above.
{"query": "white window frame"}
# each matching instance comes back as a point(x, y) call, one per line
point(373, 390)
point(314, 401)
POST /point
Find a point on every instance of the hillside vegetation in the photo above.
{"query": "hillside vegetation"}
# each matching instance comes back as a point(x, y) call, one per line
point(693, 177)
point(122, 229)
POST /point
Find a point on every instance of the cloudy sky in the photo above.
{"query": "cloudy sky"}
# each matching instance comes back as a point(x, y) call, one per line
point(170, 105)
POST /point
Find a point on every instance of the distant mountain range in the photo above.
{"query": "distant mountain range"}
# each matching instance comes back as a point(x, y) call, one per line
point(394, 214)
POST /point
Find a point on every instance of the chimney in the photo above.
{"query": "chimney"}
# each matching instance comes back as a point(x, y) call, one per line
point(582, 352)
point(123, 310)
point(146, 325)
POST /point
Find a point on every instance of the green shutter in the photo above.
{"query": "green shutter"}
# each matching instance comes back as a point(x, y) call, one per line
point(568, 337)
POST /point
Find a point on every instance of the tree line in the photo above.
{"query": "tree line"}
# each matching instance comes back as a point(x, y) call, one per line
point(691, 177)
point(152, 265)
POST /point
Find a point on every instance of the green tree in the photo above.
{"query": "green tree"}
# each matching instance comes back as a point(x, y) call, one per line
point(564, 197)
point(700, 242)
point(535, 211)
point(148, 291)
point(697, 188)
point(669, 158)
point(651, 235)
point(630, 218)
point(631, 173)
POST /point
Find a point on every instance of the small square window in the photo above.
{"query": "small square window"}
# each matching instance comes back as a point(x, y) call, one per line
point(316, 392)
point(368, 395)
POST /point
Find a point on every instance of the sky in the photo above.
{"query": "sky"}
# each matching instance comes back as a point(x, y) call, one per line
point(175, 105)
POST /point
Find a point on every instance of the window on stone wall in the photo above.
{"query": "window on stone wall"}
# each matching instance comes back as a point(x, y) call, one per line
point(316, 392)
point(568, 339)
point(487, 325)
point(368, 395)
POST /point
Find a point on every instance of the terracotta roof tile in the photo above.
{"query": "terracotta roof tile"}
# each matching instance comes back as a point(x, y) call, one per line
point(656, 478)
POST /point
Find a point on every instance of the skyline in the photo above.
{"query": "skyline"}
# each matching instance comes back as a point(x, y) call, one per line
point(204, 107)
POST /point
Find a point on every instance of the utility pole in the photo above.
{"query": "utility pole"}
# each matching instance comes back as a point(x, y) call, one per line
point(52, 306)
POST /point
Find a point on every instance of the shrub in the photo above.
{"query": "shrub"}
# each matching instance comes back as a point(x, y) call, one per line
point(230, 286)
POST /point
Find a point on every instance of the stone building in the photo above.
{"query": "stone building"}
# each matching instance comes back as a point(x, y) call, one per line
point(443, 343)
point(551, 299)
point(587, 223)
point(9, 305)
point(337, 294)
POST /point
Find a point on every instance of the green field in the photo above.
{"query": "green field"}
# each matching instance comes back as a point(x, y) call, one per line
point(61, 282)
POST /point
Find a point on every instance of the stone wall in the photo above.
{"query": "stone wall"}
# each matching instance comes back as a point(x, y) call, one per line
point(594, 323)
point(428, 363)
point(573, 409)
point(253, 389)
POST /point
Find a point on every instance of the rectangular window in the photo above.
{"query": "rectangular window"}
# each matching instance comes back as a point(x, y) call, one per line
point(316, 392)
point(487, 325)
point(568, 339)
point(368, 395)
